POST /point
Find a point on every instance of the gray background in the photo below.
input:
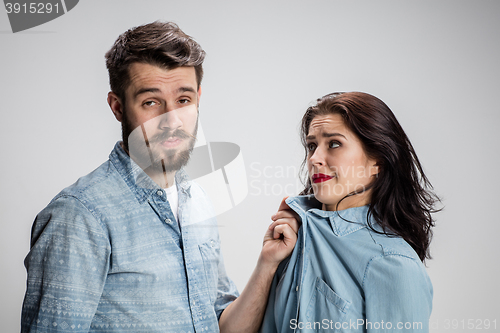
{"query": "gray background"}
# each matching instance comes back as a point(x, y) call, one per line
point(435, 63)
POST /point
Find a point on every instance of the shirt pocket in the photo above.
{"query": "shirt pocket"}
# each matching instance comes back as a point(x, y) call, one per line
point(326, 308)
point(210, 253)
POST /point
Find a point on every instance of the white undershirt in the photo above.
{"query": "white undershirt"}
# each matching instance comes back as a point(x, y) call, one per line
point(173, 198)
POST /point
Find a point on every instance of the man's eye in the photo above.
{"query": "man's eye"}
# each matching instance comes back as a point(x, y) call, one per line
point(151, 103)
point(184, 101)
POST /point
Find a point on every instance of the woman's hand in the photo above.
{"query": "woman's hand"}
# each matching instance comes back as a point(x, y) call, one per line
point(246, 312)
point(281, 235)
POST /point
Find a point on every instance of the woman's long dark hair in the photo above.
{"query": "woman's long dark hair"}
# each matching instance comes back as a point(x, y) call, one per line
point(402, 199)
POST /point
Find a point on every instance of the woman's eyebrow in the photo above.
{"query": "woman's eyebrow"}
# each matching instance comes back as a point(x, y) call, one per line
point(325, 135)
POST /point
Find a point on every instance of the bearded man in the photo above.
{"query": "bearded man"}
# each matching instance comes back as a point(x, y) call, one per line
point(134, 245)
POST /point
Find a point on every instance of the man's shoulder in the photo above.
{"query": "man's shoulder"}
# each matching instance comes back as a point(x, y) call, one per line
point(75, 207)
point(90, 190)
point(90, 183)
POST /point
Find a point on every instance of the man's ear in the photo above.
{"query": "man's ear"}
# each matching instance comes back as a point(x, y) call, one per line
point(199, 95)
point(116, 105)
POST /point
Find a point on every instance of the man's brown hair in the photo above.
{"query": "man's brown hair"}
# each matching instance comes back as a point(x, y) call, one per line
point(158, 43)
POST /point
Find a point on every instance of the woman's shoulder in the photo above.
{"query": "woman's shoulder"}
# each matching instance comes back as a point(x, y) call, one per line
point(395, 261)
point(396, 273)
point(391, 245)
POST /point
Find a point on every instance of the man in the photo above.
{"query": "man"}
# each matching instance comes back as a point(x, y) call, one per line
point(134, 246)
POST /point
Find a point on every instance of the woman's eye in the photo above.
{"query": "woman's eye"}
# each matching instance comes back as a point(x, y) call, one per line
point(334, 144)
point(311, 146)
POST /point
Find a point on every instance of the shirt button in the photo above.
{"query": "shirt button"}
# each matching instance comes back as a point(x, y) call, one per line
point(168, 221)
point(212, 243)
point(159, 192)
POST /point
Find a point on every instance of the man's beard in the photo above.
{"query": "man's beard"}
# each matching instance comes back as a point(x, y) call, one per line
point(139, 146)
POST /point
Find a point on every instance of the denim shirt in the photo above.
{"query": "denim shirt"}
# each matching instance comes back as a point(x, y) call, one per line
point(343, 277)
point(107, 255)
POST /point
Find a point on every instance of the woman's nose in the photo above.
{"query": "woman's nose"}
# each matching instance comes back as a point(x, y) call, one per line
point(317, 158)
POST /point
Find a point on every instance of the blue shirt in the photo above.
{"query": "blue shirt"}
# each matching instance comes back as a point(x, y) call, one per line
point(343, 277)
point(107, 255)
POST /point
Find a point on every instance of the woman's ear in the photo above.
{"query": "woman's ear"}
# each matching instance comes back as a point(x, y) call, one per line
point(374, 168)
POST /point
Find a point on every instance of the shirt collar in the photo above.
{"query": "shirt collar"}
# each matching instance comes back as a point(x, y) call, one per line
point(343, 222)
point(137, 180)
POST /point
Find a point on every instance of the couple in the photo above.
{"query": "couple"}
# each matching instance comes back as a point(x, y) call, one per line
point(134, 246)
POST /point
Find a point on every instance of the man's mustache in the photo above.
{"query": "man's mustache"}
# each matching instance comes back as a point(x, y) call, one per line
point(164, 136)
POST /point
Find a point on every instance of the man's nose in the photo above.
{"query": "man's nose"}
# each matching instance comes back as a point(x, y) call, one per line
point(170, 120)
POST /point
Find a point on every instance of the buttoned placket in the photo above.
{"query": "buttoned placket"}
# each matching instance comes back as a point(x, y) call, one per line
point(302, 268)
point(162, 208)
point(195, 303)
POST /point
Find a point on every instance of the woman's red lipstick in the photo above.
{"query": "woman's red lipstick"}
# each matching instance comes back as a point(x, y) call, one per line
point(320, 177)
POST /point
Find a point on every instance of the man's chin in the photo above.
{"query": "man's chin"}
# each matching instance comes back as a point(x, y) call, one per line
point(157, 158)
point(173, 160)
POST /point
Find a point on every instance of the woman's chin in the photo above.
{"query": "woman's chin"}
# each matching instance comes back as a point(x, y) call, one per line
point(326, 202)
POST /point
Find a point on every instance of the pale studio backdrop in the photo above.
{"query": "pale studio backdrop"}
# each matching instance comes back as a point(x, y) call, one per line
point(435, 63)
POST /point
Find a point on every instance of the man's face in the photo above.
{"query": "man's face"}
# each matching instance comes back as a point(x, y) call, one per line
point(160, 116)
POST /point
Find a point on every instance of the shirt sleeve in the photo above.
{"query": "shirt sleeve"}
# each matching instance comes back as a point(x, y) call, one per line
point(226, 289)
point(66, 267)
point(398, 295)
point(270, 317)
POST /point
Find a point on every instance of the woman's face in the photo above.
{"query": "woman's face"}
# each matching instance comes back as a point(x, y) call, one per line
point(337, 163)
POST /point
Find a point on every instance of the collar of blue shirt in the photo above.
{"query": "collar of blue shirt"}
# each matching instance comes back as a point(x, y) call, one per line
point(137, 180)
point(343, 222)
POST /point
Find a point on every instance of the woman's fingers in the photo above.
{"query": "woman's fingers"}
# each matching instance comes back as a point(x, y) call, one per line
point(285, 213)
point(285, 232)
point(290, 221)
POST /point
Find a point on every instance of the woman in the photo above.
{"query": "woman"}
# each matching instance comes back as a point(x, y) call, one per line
point(366, 226)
